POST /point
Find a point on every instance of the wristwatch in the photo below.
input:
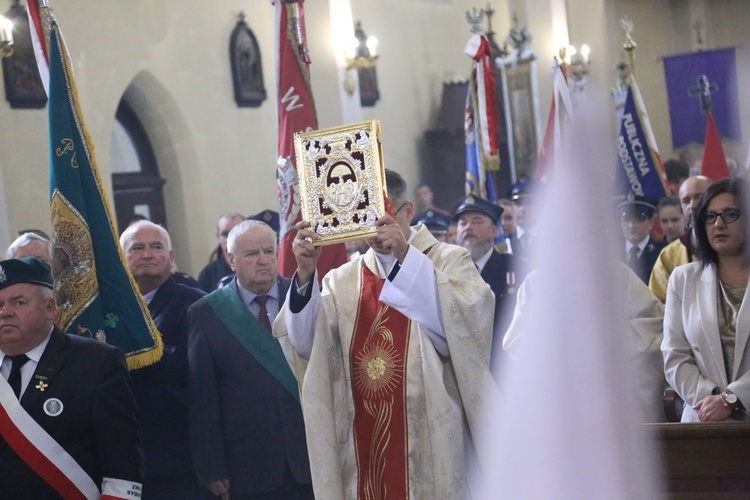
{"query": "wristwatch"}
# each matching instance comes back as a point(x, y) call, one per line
point(730, 399)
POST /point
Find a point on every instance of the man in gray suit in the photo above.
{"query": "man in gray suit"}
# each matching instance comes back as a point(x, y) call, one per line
point(246, 428)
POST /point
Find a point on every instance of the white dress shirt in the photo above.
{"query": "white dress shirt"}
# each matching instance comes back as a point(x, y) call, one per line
point(28, 369)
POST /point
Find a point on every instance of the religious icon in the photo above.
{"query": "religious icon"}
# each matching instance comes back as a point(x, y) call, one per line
point(342, 180)
point(247, 70)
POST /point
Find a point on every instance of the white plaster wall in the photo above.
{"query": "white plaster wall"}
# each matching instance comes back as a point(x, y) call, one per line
point(217, 157)
point(652, 32)
point(664, 27)
point(728, 26)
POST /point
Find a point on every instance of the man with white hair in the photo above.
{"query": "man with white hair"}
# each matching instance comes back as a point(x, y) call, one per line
point(246, 427)
point(161, 389)
point(30, 245)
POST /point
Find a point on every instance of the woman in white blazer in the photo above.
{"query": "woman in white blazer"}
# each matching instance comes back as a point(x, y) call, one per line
point(707, 315)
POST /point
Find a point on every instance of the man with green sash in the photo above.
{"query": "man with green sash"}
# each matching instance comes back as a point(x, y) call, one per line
point(393, 357)
point(247, 434)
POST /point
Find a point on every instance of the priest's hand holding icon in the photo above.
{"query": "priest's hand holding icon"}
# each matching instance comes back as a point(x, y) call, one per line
point(305, 252)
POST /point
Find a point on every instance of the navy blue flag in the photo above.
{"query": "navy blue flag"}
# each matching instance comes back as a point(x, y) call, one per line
point(686, 115)
point(639, 167)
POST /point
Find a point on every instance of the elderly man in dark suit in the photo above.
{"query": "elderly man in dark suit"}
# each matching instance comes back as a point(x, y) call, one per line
point(74, 432)
point(246, 428)
point(161, 389)
point(477, 229)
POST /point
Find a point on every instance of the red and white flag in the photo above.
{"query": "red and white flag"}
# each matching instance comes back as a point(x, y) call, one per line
point(485, 100)
point(560, 111)
point(714, 164)
point(296, 111)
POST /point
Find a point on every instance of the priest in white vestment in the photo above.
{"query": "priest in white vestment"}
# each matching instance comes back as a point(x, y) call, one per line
point(393, 360)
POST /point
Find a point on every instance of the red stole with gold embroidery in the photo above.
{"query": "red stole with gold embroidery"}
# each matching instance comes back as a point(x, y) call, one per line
point(378, 356)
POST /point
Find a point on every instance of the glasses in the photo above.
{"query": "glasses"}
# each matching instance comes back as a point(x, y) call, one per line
point(399, 208)
point(728, 216)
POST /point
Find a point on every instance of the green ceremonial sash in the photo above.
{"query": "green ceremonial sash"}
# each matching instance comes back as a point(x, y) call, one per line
point(253, 336)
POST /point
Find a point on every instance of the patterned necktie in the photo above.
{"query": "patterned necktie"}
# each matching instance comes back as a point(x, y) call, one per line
point(633, 257)
point(14, 379)
point(263, 314)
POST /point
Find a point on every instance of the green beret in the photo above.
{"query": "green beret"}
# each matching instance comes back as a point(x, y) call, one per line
point(26, 270)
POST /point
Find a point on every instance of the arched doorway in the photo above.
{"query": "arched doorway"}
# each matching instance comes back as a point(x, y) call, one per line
point(136, 183)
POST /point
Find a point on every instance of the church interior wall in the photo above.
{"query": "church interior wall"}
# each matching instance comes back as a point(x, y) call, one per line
point(652, 21)
point(217, 157)
point(666, 27)
point(728, 21)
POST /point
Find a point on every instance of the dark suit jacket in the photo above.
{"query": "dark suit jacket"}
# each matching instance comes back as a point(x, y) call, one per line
point(646, 260)
point(97, 426)
point(495, 274)
point(161, 389)
point(210, 276)
point(243, 424)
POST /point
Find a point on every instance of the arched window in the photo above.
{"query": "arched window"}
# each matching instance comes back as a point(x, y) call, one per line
point(136, 183)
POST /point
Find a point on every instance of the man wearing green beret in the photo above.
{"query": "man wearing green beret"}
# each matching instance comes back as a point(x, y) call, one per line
point(69, 426)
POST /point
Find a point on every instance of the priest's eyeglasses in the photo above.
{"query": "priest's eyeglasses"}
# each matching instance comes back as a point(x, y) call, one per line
point(728, 216)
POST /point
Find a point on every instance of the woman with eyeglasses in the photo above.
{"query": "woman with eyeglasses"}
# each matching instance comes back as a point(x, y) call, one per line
point(707, 316)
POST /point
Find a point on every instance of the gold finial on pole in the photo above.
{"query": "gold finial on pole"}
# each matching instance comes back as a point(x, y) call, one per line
point(627, 24)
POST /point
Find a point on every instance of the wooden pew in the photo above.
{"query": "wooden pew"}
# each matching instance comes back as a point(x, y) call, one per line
point(705, 461)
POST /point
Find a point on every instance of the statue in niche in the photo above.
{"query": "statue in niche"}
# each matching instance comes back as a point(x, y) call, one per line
point(23, 85)
point(247, 68)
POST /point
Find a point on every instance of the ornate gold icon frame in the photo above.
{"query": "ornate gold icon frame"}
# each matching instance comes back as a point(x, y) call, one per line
point(342, 180)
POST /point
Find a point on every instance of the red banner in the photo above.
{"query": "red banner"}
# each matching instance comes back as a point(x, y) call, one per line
point(296, 112)
point(714, 164)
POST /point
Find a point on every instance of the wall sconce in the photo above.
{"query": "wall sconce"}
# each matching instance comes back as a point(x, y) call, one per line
point(361, 55)
point(576, 65)
point(6, 37)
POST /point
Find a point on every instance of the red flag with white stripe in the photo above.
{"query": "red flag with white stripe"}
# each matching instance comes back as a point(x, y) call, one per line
point(39, 28)
point(296, 111)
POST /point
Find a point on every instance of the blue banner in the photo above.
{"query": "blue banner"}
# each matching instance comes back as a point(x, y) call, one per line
point(478, 180)
point(686, 115)
point(94, 290)
point(639, 169)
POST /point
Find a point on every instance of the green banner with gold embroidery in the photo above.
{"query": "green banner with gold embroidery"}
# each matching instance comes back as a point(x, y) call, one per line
point(95, 292)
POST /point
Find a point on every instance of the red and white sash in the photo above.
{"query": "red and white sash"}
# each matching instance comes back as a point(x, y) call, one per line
point(48, 459)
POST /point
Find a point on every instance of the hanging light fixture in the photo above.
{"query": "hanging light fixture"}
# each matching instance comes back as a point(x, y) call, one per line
point(362, 56)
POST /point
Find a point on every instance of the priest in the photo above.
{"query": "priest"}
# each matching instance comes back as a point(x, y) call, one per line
point(392, 355)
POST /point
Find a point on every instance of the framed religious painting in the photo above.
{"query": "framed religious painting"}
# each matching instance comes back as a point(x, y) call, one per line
point(521, 110)
point(342, 180)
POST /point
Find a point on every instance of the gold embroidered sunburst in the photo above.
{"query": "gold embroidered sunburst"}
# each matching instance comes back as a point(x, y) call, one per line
point(376, 371)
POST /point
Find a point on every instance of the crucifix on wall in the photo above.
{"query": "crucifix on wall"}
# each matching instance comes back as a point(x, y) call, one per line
point(703, 90)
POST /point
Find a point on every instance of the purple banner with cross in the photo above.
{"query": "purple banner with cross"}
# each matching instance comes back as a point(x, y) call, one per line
point(688, 118)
